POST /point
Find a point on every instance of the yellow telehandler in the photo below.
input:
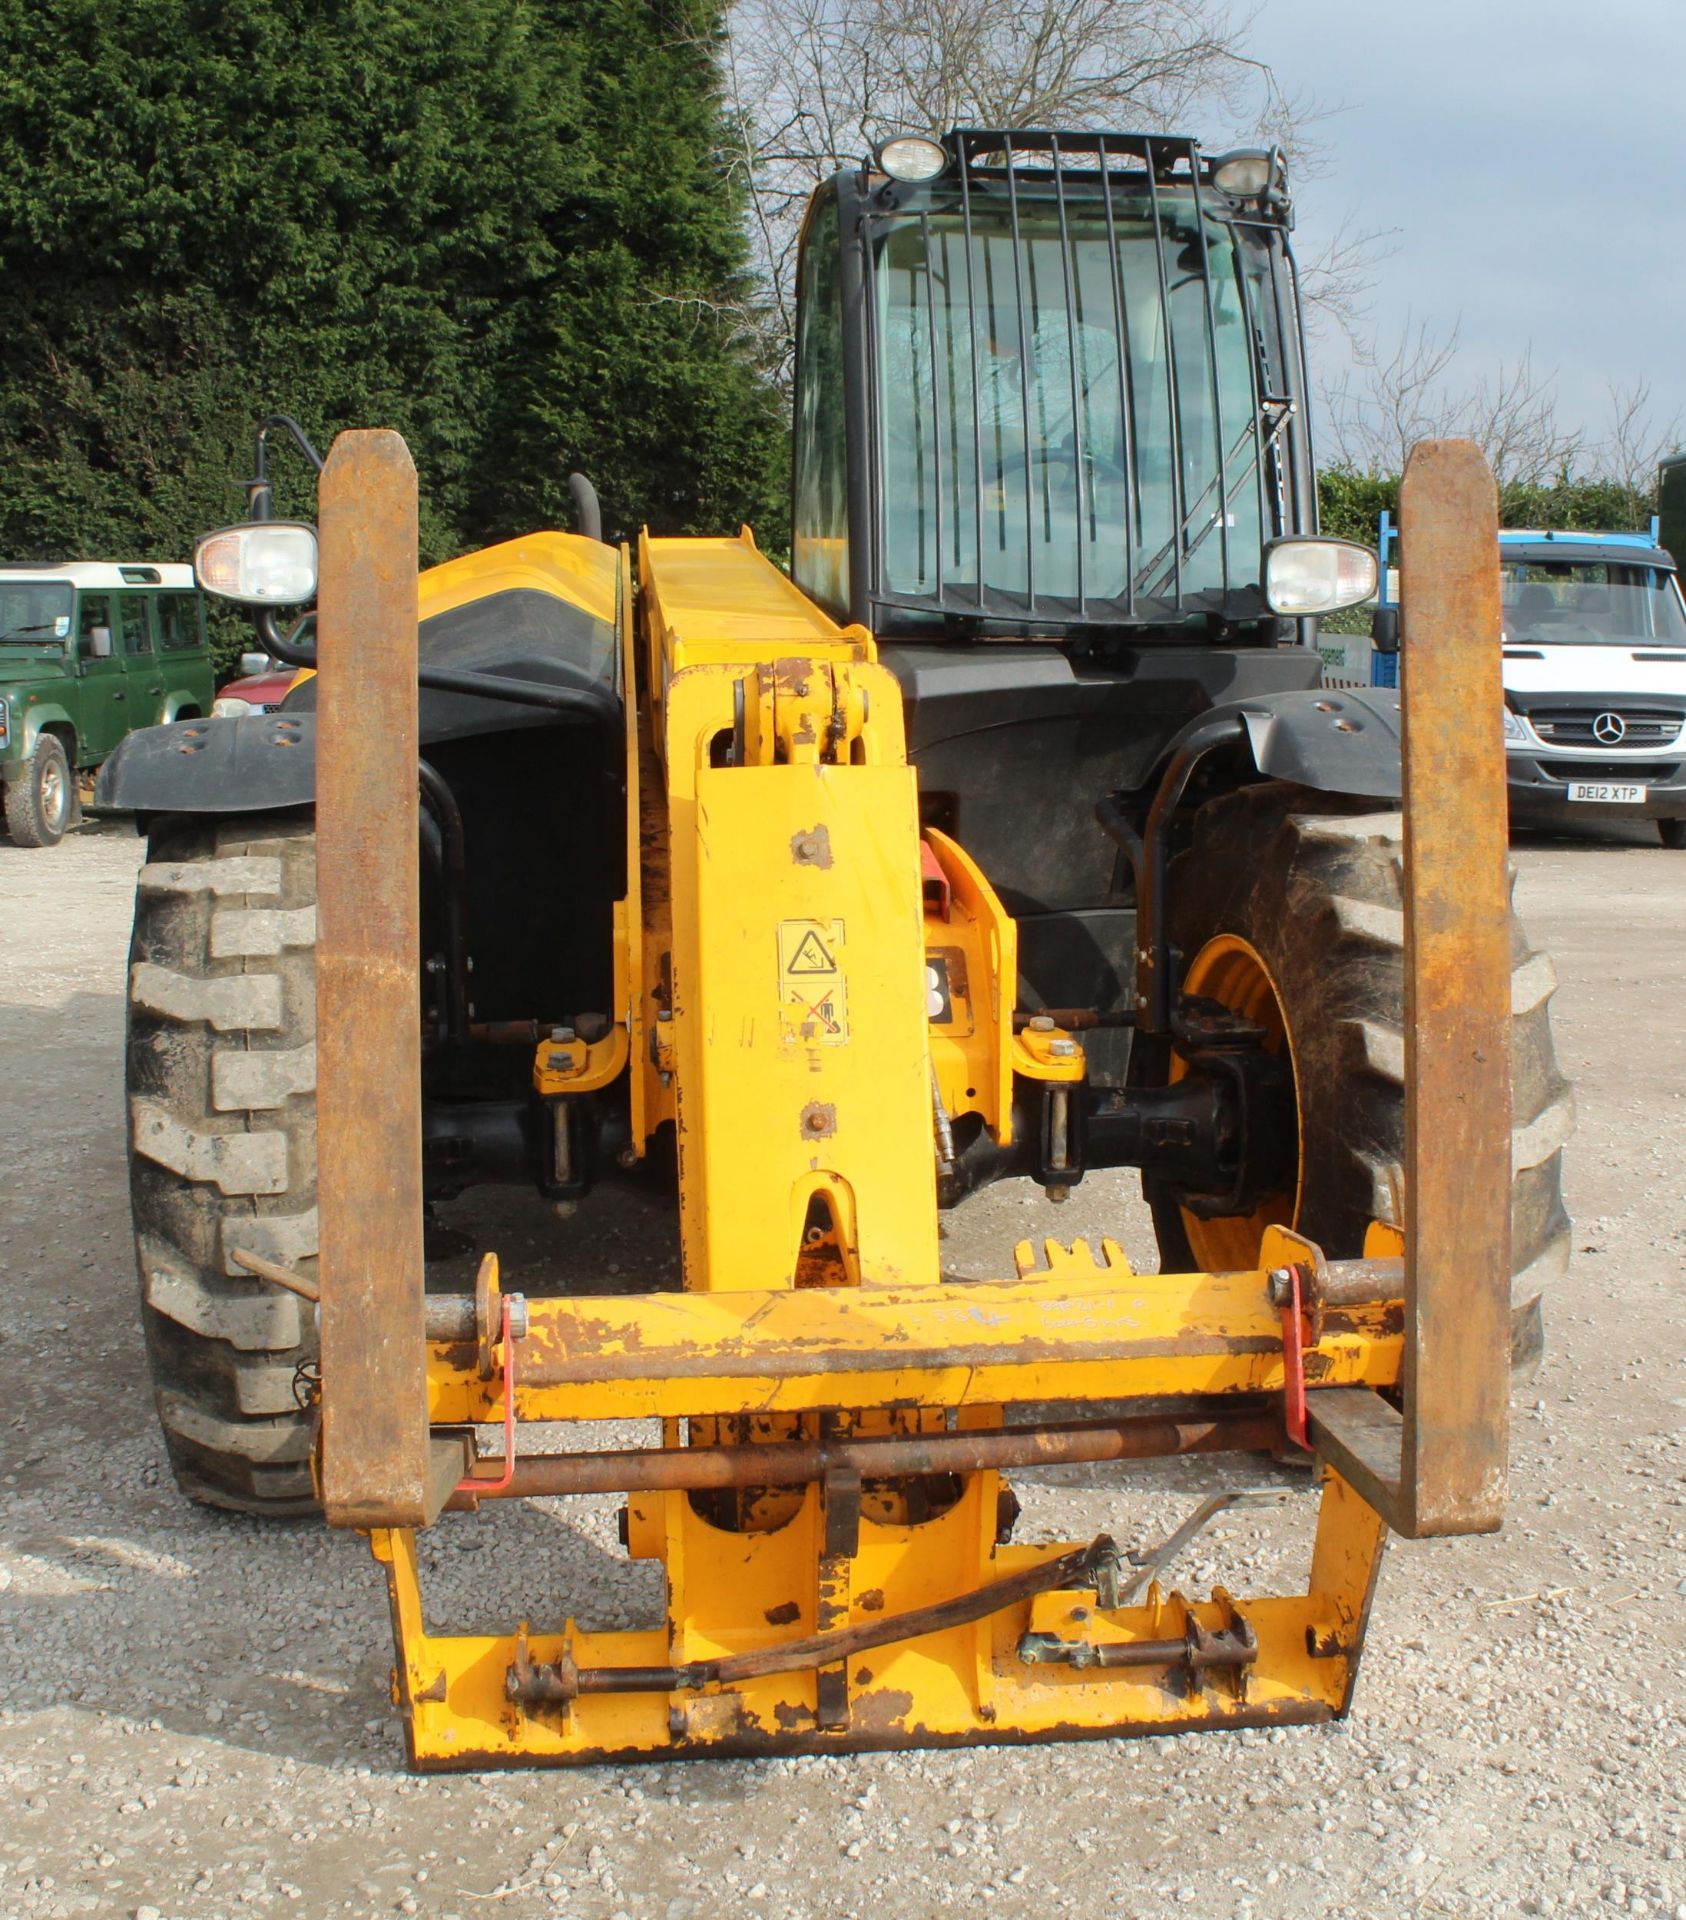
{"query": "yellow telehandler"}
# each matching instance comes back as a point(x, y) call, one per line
point(1009, 835)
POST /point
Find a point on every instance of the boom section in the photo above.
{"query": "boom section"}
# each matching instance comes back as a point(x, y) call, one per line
point(792, 1021)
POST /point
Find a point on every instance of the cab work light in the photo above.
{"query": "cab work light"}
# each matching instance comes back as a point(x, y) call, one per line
point(1245, 173)
point(912, 158)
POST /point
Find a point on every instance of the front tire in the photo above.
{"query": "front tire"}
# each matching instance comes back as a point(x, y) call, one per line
point(222, 1114)
point(41, 803)
point(1309, 884)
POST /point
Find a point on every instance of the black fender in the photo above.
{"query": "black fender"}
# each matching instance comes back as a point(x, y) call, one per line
point(1335, 739)
point(250, 763)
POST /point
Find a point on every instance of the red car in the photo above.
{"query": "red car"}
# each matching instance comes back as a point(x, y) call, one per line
point(263, 683)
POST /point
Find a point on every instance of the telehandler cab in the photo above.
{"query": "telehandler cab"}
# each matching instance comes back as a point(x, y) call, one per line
point(1011, 836)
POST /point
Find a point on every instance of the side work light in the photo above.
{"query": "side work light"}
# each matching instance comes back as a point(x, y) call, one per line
point(1317, 576)
point(263, 563)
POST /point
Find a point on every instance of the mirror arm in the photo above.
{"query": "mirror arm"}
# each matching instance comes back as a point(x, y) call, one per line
point(259, 494)
point(287, 647)
point(301, 439)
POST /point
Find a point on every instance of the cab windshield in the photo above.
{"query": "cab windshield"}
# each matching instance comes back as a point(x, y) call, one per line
point(1067, 405)
point(1591, 603)
point(35, 613)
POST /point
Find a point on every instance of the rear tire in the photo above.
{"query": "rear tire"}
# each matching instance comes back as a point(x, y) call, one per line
point(41, 803)
point(1672, 833)
point(222, 1116)
point(1312, 883)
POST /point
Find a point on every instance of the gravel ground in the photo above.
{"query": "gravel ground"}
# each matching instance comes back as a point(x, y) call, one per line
point(193, 1712)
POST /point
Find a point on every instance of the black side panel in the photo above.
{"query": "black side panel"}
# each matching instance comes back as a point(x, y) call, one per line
point(1082, 960)
point(1014, 745)
point(545, 841)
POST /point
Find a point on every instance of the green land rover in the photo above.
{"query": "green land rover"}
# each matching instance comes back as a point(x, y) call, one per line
point(88, 653)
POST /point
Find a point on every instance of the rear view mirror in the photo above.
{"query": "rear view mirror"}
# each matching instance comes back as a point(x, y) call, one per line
point(97, 643)
point(254, 664)
point(261, 563)
point(1384, 629)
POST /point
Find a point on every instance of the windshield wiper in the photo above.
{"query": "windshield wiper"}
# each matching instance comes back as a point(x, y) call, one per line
point(1273, 429)
point(41, 626)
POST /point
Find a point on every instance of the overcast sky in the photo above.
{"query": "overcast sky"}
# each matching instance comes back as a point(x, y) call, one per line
point(1530, 156)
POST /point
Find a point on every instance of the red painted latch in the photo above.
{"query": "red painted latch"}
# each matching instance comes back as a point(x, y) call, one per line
point(1293, 1360)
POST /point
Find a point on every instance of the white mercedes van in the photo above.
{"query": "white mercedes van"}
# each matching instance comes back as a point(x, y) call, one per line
point(1594, 675)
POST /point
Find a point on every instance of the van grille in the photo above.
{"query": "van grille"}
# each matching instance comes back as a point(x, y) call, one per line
point(1574, 726)
point(1605, 769)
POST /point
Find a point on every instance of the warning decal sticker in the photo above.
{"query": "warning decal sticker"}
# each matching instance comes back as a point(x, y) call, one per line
point(812, 955)
point(813, 994)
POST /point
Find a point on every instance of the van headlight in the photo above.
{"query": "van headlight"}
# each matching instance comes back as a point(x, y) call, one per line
point(232, 708)
point(1516, 734)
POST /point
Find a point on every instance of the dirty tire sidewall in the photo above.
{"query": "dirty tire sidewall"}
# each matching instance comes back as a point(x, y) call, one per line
point(1312, 881)
point(222, 1117)
point(40, 804)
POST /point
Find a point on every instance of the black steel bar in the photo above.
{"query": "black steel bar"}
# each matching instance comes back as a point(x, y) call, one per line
point(1301, 409)
point(442, 803)
point(1075, 1019)
point(936, 391)
point(892, 1457)
point(874, 410)
point(992, 303)
point(1257, 370)
point(1025, 345)
point(546, 1684)
point(1294, 384)
point(972, 335)
point(1079, 476)
point(1179, 506)
point(1270, 342)
point(1218, 443)
point(1126, 386)
point(1153, 998)
point(595, 704)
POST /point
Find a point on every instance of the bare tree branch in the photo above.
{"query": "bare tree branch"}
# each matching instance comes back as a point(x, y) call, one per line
point(1376, 413)
point(813, 84)
point(1633, 441)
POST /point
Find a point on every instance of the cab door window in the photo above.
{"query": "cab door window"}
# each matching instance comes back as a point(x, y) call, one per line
point(135, 626)
point(178, 622)
point(95, 636)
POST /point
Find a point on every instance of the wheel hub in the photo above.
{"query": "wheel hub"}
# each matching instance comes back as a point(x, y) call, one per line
point(1229, 974)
